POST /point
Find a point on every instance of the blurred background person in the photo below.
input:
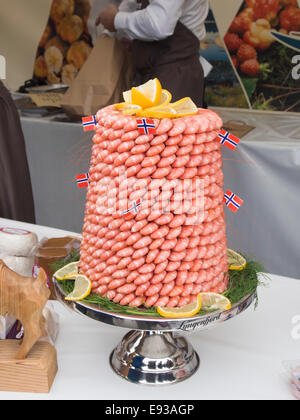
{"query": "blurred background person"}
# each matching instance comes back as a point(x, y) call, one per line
point(16, 200)
point(165, 37)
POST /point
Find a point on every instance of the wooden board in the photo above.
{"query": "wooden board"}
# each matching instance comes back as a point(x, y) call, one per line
point(35, 374)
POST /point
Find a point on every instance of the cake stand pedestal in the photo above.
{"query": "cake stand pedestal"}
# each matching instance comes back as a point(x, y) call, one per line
point(155, 351)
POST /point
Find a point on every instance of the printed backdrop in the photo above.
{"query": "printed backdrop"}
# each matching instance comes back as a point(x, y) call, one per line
point(253, 45)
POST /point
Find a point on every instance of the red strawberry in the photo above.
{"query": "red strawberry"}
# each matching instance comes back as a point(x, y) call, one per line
point(238, 25)
point(232, 41)
point(250, 67)
point(246, 52)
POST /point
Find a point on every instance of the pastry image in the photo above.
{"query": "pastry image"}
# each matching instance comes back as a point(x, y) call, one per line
point(70, 28)
point(40, 68)
point(54, 59)
point(52, 78)
point(57, 42)
point(60, 9)
point(78, 53)
point(68, 74)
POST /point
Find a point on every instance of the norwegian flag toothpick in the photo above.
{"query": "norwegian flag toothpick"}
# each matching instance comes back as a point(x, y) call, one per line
point(146, 126)
point(228, 139)
point(134, 208)
point(232, 201)
point(89, 123)
point(83, 180)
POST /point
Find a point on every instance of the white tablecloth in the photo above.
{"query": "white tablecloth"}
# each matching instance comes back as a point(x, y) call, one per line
point(240, 359)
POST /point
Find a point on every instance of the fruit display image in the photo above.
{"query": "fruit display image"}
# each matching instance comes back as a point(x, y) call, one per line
point(222, 85)
point(65, 44)
point(265, 65)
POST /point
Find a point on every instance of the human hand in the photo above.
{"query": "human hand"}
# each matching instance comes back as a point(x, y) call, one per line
point(107, 17)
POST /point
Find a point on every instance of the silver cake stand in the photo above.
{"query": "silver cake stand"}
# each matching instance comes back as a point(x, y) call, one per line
point(154, 352)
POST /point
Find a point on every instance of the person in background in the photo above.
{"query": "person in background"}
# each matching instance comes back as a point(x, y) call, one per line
point(166, 37)
point(16, 200)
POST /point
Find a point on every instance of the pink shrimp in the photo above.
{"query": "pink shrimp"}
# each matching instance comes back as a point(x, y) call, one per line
point(167, 289)
point(149, 229)
point(177, 221)
point(160, 233)
point(152, 255)
point(150, 161)
point(155, 150)
point(166, 162)
point(132, 276)
point(181, 278)
point(130, 135)
point(101, 290)
point(156, 244)
point(158, 278)
point(126, 289)
point(169, 151)
point(119, 274)
point(161, 267)
point(174, 233)
point(170, 277)
point(142, 243)
point(118, 298)
point(140, 253)
point(179, 128)
point(161, 173)
point(151, 301)
point(125, 252)
point(127, 299)
point(111, 294)
point(132, 239)
point(123, 263)
point(169, 244)
point(165, 125)
point(144, 139)
point(162, 256)
point(162, 301)
point(176, 173)
point(115, 284)
point(136, 264)
point(173, 266)
point(140, 291)
point(138, 301)
point(181, 245)
point(142, 279)
point(184, 150)
point(146, 268)
point(192, 278)
point(159, 140)
point(125, 146)
point(134, 160)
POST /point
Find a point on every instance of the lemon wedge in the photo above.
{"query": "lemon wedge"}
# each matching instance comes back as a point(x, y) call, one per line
point(185, 312)
point(127, 108)
point(236, 261)
point(184, 107)
point(82, 288)
point(140, 99)
point(165, 98)
point(214, 301)
point(158, 112)
point(64, 272)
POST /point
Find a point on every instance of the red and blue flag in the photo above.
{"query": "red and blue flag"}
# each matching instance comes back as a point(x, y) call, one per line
point(232, 201)
point(228, 139)
point(83, 180)
point(146, 126)
point(89, 123)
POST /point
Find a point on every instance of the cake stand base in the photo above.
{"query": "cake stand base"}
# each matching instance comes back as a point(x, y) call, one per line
point(154, 358)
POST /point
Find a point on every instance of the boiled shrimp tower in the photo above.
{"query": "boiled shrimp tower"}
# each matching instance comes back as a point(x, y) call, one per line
point(149, 256)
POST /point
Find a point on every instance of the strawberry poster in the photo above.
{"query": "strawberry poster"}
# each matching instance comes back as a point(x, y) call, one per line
point(263, 42)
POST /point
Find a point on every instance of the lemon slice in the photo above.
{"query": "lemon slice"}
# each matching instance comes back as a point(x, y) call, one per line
point(165, 98)
point(127, 108)
point(82, 288)
point(213, 301)
point(236, 261)
point(147, 95)
point(158, 112)
point(140, 99)
point(67, 270)
point(185, 312)
point(184, 107)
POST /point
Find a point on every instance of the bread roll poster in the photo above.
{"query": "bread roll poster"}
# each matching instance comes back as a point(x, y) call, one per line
point(65, 44)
